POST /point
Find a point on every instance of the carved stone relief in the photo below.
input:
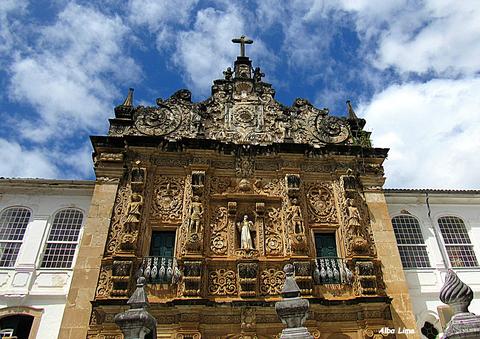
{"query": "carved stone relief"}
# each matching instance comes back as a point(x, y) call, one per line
point(118, 219)
point(271, 281)
point(218, 226)
point(321, 203)
point(222, 282)
point(273, 232)
point(167, 199)
point(105, 283)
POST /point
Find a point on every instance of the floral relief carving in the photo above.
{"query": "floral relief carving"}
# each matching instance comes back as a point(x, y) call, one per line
point(119, 218)
point(271, 281)
point(222, 282)
point(167, 199)
point(271, 187)
point(218, 239)
point(105, 283)
point(273, 232)
point(321, 203)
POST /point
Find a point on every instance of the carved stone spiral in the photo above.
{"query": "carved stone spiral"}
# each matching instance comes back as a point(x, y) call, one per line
point(456, 293)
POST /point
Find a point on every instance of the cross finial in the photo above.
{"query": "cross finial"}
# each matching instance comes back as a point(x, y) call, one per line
point(242, 41)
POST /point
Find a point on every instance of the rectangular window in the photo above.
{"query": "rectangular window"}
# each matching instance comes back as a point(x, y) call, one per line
point(330, 269)
point(63, 239)
point(159, 266)
point(457, 242)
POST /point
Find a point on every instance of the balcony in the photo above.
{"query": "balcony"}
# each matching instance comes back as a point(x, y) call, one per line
point(160, 270)
point(330, 270)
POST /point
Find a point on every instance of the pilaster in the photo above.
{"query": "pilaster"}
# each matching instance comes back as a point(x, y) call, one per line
point(395, 282)
point(85, 275)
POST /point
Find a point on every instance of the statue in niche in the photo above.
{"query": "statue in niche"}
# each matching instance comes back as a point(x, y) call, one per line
point(134, 209)
point(295, 217)
point(354, 224)
point(196, 213)
point(245, 227)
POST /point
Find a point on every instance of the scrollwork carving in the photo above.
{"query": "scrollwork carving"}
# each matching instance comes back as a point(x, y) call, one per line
point(321, 203)
point(271, 281)
point(167, 199)
point(218, 239)
point(118, 219)
point(105, 283)
point(222, 282)
point(273, 232)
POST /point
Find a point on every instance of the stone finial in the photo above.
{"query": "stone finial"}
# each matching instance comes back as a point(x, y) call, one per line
point(458, 296)
point(351, 112)
point(292, 310)
point(139, 297)
point(125, 109)
point(128, 102)
point(456, 293)
point(136, 322)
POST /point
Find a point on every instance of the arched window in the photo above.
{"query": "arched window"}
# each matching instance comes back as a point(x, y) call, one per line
point(63, 239)
point(13, 223)
point(457, 242)
point(411, 245)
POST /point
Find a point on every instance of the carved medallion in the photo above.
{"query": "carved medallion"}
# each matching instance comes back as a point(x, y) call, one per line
point(321, 203)
point(271, 281)
point(157, 121)
point(222, 282)
point(330, 129)
point(167, 199)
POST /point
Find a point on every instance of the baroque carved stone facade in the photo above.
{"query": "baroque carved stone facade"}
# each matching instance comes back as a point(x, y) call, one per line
point(215, 197)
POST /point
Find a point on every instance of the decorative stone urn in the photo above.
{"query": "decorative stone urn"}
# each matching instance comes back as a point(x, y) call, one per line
point(456, 294)
point(292, 310)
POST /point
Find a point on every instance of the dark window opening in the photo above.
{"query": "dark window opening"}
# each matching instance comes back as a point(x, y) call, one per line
point(18, 325)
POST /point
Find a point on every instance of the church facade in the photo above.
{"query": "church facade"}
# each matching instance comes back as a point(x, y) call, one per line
point(209, 200)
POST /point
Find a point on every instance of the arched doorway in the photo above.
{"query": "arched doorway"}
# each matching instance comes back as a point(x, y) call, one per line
point(18, 325)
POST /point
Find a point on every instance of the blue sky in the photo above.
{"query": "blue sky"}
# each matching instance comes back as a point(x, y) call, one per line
point(411, 68)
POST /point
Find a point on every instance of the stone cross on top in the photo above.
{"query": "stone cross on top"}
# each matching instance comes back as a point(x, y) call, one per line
point(242, 41)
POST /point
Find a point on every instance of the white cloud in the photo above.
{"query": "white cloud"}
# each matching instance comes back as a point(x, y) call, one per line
point(70, 76)
point(17, 161)
point(204, 51)
point(10, 25)
point(420, 37)
point(432, 130)
point(160, 17)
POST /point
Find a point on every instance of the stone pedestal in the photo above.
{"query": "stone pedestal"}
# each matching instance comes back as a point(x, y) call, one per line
point(292, 310)
point(458, 296)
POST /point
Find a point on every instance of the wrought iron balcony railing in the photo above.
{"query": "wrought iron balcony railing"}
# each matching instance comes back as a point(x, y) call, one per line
point(330, 270)
point(160, 270)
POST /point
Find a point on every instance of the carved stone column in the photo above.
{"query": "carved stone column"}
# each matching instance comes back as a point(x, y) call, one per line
point(136, 322)
point(458, 296)
point(292, 310)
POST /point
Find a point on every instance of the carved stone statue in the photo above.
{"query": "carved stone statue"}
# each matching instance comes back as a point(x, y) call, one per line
point(354, 218)
point(196, 213)
point(245, 226)
point(295, 218)
point(134, 209)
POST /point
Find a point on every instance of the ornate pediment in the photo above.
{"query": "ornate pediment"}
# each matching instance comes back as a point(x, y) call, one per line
point(241, 110)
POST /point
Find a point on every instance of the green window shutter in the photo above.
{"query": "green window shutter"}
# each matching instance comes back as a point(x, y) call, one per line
point(162, 244)
point(325, 244)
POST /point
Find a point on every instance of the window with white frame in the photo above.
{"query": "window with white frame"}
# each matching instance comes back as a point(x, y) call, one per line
point(13, 223)
point(63, 239)
point(457, 242)
point(411, 244)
